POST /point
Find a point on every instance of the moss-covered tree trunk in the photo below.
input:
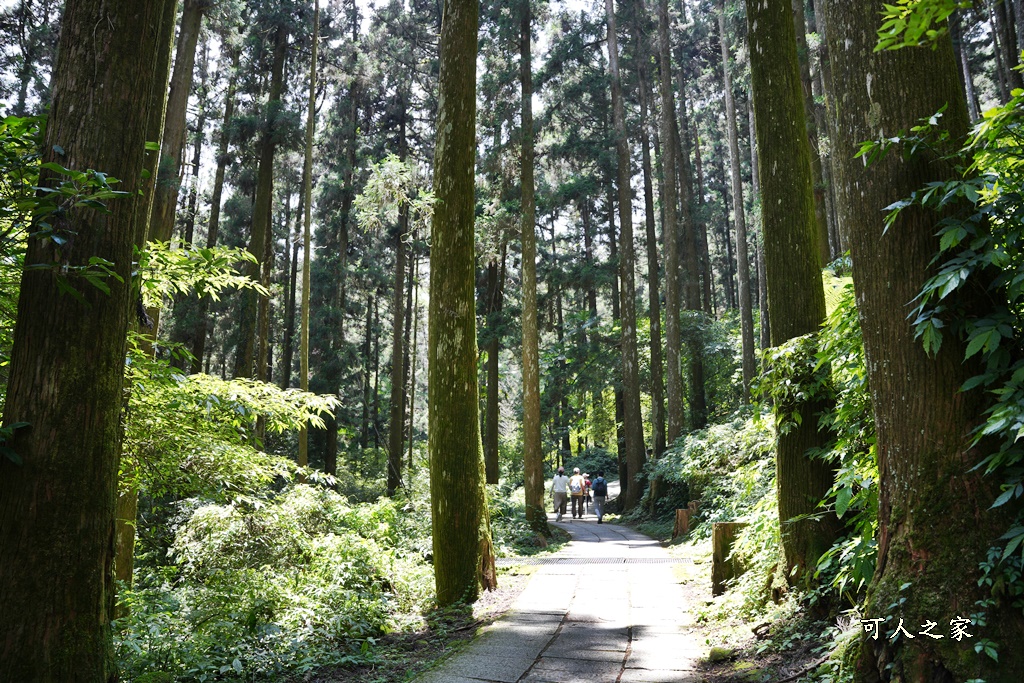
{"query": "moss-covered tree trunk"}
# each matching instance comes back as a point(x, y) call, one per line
point(57, 518)
point(934, 523)
point(795, 297)
point(820, 200)
point(533, 456)
point(246, 355)
point(632, 427)
point(739, 216)
point(463, 553)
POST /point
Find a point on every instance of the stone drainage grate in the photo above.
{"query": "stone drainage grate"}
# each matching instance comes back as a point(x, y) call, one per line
point(512, 561)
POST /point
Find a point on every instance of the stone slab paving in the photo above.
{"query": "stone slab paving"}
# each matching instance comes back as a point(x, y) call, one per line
point(588, 623)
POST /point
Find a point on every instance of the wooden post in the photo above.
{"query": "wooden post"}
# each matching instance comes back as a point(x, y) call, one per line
point(682, 525)
point(722, 568)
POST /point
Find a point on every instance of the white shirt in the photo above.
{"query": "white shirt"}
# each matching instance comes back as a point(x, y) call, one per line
point(560, 483)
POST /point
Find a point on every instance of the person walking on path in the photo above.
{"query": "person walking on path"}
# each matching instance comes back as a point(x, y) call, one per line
point(576, 486)
point(559, 489)
point(600, 489)
point(586, 490)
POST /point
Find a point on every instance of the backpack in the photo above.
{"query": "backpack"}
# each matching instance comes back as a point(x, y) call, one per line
point(600, 487)
point(575, 486)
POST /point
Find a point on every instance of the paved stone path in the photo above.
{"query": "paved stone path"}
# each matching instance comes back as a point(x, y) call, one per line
point(605, 609)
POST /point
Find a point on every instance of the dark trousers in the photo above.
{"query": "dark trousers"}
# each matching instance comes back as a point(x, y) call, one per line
point(577, 502)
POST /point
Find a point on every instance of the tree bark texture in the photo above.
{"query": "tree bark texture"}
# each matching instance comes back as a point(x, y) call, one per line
point(935, 524)
point(796, 299)
point(820, 203)
point(533, 455)
point(463, 552)
point(633, 429)
point(670, 235)
point(128, 493)
point(57, 516)
point(743, 260)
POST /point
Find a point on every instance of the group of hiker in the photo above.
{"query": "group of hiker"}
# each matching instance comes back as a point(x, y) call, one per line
point(579, 489)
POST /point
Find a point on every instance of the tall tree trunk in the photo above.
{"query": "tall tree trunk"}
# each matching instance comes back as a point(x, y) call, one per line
point(670, 234)
point(762, 280)
point(922, 418)
point(960, 38)
point(397, 420)
point(213, 227)
point(495, 296)
point(288, 352)
point(307, 219)
point(746, 312)
point(246, 356)
point(561, 413)
point(67, 364)
point(463, 552)
point(1000, 76)
point(415, 315)
point(825, 123)
point(795, 297)
point(533, 455)
point(820, 204)
point(1007, 34)
point(695, 176)
point(633, 427)
point(128, 493)
point(407, 336)
point(364, 432)
point(653, 269)
point(613, 259)
point(376, 373)
point(693, 234)
point(169, 178)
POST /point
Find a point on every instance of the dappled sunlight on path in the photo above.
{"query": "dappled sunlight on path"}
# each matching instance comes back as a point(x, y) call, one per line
point(605, 609)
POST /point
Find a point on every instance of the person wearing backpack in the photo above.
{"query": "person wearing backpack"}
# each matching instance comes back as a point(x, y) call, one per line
point(600, 490)
point(576, 485)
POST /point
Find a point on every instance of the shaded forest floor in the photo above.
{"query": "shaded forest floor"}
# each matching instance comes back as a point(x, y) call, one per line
point(785, 645)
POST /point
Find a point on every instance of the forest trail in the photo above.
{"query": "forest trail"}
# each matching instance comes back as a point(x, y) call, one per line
point(605, 609)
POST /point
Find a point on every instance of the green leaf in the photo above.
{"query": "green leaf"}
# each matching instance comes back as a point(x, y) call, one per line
point(977, 341)
point(843, 498)
point(11, 455)
point(1003, 498)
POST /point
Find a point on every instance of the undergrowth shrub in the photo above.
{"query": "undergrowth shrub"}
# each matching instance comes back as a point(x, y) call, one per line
point(727, 467)
point(264, 587)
